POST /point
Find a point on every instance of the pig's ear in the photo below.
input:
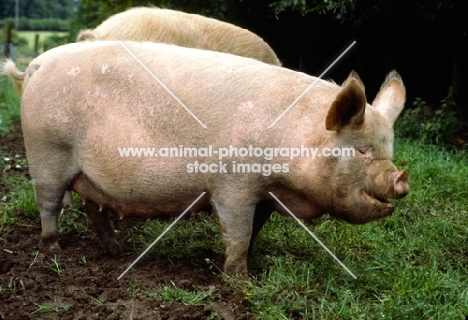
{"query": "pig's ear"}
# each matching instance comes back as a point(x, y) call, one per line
point(349, 106)
point(391, 97)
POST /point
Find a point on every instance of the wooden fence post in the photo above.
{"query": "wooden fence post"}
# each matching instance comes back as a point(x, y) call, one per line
point(36, 44)
point(6, 44)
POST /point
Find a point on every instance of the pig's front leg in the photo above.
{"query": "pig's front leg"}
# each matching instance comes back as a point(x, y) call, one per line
point(236, 220)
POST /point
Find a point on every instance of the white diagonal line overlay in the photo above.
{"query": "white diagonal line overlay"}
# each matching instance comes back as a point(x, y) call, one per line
point(311, 85)
point(313, 236)
point(160, 236)
point(162, 84)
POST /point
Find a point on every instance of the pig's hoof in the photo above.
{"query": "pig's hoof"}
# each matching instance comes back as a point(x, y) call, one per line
point(236, 270)
point(116, 249)
point(49, 246)
point(112, 247)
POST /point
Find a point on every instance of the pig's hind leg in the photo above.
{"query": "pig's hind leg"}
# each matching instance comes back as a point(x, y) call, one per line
point(49, 200)
point(104, 229)
point(52, 170)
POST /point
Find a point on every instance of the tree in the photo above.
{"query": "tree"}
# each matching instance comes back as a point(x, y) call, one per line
point(91, 12)
point(38, 9)
point(448, 16)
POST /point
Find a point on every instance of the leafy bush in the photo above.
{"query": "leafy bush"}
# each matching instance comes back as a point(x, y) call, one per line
point(9, 107)
point(15, 38)
point(439, 126)
point(51, 24)
point(54, 41)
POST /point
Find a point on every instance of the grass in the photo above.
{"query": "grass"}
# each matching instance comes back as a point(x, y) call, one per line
point(9, 106)
point(30, 36)
point(57, 308)
point(55, 266)
point(20, 197)
point(171, 294)
point(197, 235)
point(411, 265)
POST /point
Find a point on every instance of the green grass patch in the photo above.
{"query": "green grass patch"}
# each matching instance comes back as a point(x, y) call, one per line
point(188, 237)
point(170, 294)
point(410, 265)
point(52, 308)
point(20, 197)
point(9, 105)
point(43, 35)
point(73, 221)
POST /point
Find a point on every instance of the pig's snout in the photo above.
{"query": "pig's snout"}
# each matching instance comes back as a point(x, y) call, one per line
point(400, 184)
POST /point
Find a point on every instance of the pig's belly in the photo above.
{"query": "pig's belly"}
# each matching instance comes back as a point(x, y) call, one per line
point(146, 192)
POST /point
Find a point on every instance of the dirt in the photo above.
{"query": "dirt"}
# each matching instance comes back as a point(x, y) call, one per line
point(82, 282)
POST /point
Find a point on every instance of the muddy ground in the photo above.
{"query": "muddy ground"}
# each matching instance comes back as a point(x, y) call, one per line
point(33, 286)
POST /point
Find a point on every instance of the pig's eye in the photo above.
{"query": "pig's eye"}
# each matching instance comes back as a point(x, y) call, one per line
point(364, 152)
